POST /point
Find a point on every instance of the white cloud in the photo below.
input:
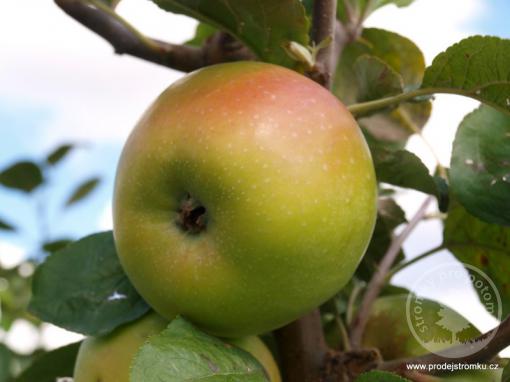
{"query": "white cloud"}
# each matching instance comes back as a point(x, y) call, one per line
point(106, 220)
point(51, 61)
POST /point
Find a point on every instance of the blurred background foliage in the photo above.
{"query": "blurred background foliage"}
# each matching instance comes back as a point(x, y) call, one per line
point(33, 179)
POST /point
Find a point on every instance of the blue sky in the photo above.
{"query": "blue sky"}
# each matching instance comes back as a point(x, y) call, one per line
point(24, 127)
point(495, 20)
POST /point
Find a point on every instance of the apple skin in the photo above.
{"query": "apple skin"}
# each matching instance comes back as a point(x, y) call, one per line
point(108, 358)
point(288, 187)
point(387, 329)
point(256, 347)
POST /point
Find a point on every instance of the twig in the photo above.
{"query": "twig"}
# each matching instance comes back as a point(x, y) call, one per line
point(343, 333)
point(324, 25)
point(377, 282)
point(415, 259)
point(125, 39)
point(499, 342)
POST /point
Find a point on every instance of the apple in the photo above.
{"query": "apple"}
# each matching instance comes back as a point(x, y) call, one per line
point(108, 358)
point(256, 347)
point(244, 198)
point(388, 330)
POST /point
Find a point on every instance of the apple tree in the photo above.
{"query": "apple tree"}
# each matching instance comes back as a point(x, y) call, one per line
point(313, 280)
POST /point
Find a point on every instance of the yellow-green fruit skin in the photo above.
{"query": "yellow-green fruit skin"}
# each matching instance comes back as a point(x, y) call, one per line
point(388, 330)
point(256, 347)
point(108, 358)
point(288, 185)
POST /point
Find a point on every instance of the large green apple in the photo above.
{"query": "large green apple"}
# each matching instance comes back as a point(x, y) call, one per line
point(108, 358)
point(388, 330)
point(244, 198)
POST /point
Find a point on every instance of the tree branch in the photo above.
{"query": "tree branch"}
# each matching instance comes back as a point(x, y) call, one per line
point(302, 348)
point(324, 25)
point(125, 39)
point(378, 280)
point(499, 342)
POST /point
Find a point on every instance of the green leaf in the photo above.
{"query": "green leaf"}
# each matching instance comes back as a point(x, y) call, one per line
point(56, 245)
point(202, 33)
point(24, 176)
point(477, 67)
point(50, 366)
point(354, 10)
point(443, 191)
point(380, 376)
point(482, 245)
point(480, 165)
point(376, 79)
point(391, 126)
point(4, 226)
point(59, 153)
point(389, 216)
point(83, 190)
point(397, 51)
point(392, 290)
point(398, 3)
point(5, 363)
point(391, 213)
point(263, 25)
point(83, 288)
point(404, 169)
point(506, 373)
point(184, 353)
point(111, 3)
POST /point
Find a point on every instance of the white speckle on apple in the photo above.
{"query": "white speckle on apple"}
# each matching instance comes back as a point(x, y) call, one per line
point(325, 167)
